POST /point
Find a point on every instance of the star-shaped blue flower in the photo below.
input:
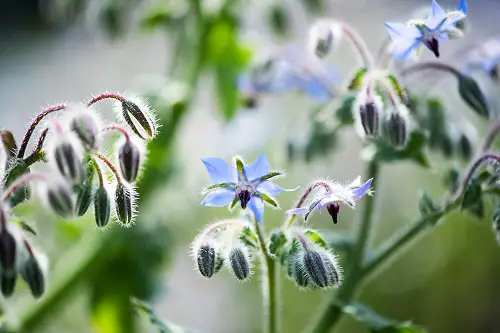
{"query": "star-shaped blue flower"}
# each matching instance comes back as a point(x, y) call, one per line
point(337, 193)
point(439, 26)
point(248, 184)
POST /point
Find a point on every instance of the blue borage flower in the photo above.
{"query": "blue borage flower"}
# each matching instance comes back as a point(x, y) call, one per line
point(439, 26)
point(248, 184)
point(338, 193)
point(291, 70)
point(485, 57)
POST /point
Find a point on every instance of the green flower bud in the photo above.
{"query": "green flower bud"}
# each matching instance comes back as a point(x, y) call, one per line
point(102, 207)
point(321, 267)
point(8, 252)
point(7, 284)
point(69, 163)
point(124, 203)
point(59, 199)
point(129, 157)
point(139, 117)
point(86, 128)
point(34, 276)
point(239, 262)
point(397, 129)
point(206, 258)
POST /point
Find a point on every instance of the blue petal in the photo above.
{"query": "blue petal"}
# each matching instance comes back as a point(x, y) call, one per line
point(256, 205)
point(463, 7)
point(219, 198)
point(436, 16)
point(399, 31)
point(258, 168)
point(315, 89)
point(403, 48)
point(271, 189)
point(298, 211)
point(219, 171)
point(361, 191)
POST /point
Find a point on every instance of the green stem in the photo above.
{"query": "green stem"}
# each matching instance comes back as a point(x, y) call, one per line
point(330, 312)
point(269, 290)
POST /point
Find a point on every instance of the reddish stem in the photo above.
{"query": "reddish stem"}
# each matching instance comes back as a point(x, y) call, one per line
point(470, 172)
point(34, 123)
point(106, 96)
point(109, 165)
point(20, 181)
point(119, 129)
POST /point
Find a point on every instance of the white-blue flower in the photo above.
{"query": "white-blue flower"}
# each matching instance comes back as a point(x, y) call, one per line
point(337, 193)
point(248, 184)
point(439, 26)
point(485, 57)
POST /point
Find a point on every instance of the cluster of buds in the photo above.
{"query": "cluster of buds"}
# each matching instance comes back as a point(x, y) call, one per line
point(306, 258)
point(231, 243)
point(71, 178)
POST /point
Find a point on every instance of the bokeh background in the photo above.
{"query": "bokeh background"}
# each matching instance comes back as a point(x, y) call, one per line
point(62, 50)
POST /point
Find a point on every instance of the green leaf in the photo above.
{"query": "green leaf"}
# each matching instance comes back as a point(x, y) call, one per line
point(435, 122)
point(235, 201)
point(340, 241)
point(344, 113)
point(472, 200)
point(16, 167)
point(376, 322)
point(452, 179)
point(24, 225)
point(357, 79)
point(268, 199)
point(427, 207)
point(398, 89)
point(471, 94)
point(276, 242)
point(248, 237)
point(215, 187)
point(413, 151)
point(9, 143)
point(316, 238)
point(270, 175)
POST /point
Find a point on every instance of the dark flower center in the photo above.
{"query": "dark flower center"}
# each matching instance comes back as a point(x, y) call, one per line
point(433, 45)
point(244, 194)
point(333, 210)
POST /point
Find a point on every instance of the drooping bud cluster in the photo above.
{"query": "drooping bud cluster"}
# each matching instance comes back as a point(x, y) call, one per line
point(307, 259)
point(229, 242)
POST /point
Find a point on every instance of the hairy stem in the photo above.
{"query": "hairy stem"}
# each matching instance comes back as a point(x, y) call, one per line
point(430, 65)
point(358, 44)
point(119, 129)
point(472, 169)
point(20, 182)
point(37, 153)
point(109, 165)
point(34, 124)
point(100, 97)
point(330, 312)
point(269, 290)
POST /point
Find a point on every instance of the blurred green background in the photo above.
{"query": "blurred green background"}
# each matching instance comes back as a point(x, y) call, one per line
point(62, 50)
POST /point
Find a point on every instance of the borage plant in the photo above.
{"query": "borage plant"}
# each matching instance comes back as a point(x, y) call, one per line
point(70, 173)
point(395, 123)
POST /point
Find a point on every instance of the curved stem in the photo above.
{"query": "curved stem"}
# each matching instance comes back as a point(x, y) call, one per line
point(20, 182)
point(330, 311)
point(99, 173)
point(491, 136)
point(221, 224)
point(100, 97)
point(472, 169)
point(430, 65)
point(34, 123)
point(358, 44)
point(320, 183)
point(269, 290)
point(108, 164)
point(37, 153)
point(384, 54)
point(119, 129)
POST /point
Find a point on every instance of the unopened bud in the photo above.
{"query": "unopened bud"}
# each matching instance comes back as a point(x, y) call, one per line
point(69, 163)
point(86, 129)
point(206, 260)
point(34, 275)
point(102, 207)
point(397, 129)
point(322, 37)
point(8, 252)
point(239, 262)
point(321, 267)
point(138, 116)
point(84, 191)
point(298, 272)
point(129, 157)
point(124, 202)
point(59, 199)
point(7, 284)
point(369, 114)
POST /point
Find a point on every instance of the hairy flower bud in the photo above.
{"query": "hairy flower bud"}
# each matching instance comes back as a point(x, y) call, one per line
point(124, 203)
point(129, 157)
point(206, 259)
point(59, 198)
point(369, 115)
point(33, 273)
point(7, 284)
point(86, 128)
point(321, 267)
point(139, 117)
point(68, 162)
point(298, 273)
point(397, 128)
point(8, 252)
point(239, 262)
point(322, 37)
point(102, 207)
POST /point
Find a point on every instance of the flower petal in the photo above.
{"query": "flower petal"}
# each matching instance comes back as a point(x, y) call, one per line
point(219, 198)
point(403, 48)
point(436, 16)
point(271, 189)
point(361, 191)
point(463, 7)
point(399, 31)
point(298, 211)
point(258, 168)
point(315, 89)
point(256, 205)
point(219, 171)
point(356, 182)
